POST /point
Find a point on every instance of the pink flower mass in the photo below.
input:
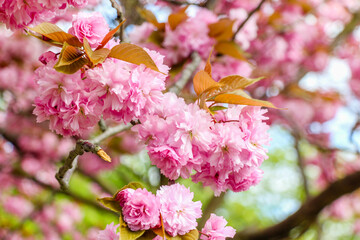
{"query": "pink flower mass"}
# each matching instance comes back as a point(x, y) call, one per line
point(215, 229)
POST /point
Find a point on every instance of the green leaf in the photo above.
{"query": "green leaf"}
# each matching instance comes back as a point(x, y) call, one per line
point(159, 232)
point(217, 108)
point(53, 32)
point(133, 54)
point(71, 59)
point(192, 235)
point(126, 233)
point(133, 185)
point(110, 203)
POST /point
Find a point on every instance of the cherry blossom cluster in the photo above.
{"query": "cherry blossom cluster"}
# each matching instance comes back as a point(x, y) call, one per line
point(117, 90)
point(141, 209)
point(19, 14)
point(226, 152)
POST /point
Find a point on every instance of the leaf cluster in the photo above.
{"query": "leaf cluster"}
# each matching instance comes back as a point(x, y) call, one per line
point(76, 55)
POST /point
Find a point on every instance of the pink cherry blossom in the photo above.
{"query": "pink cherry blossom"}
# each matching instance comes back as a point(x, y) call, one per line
point(215, 229)
point(91, 26)
point(177, 209)
point(109, 233)
point(125, 195)
point(142, 210)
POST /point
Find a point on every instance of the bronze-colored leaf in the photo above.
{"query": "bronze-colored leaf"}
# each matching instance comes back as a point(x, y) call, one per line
point(236, 99)
point(221, 30)
point(231, 49)
point(202, 81)
point(71, 59)
point(151, 18)
point(208, 64)
point(53, 32)
point(133, 54)
point(110, 35)
point(156, 37)
point(236, 81)
point(126, 233)
point(97, 56)
point(176, 18)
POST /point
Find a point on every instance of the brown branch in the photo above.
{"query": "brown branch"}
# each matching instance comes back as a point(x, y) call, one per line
point(214, 204)
point(120, 16)
point(301, 164)
point(65, 172)
point(308, 212)
point(248, 18)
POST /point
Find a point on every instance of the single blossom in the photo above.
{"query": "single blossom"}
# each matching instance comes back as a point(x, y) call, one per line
point(109, 233)
point(178, 210)
point(142, 210)
point(215, 229)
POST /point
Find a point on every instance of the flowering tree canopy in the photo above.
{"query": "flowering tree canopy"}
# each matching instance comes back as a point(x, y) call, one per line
point(152, 119)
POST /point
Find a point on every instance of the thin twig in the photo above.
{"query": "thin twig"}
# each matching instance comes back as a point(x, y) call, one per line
point(175, 2)
point(248, 18)
point(65, 172)
point(301, 164)
point(186, 74)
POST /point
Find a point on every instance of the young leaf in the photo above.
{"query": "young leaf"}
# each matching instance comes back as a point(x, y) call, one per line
point(203, 81)
point(110, 203)
point(159, 232)
point(231, 49)
point(221, 30)
point(176, 18)
point(71, 59)
point(132, 185)
point(192, 235)
point(236, 99)
point(53, 32)
point(151, 18)
point(126, 233)
point(109, 35)
point(133, 54)
point(208, 64)
point(236, 81)
point(97, 56)
point(217, 108)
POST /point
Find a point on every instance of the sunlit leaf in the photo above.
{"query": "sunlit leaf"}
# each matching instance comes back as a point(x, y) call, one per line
point(133, 54)
point(236, 99)
point(126, 233)
point(176, 18)
point(109, 35)
point(231, 49)
point(203, 81)
point(192, 235)
point(71, 59)
point(151, 18)
point(221, 30)
point(236, 81)
point(53, 32)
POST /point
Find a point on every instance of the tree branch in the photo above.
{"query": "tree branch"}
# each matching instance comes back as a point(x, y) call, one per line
point(214, 203)
point(65, 172)
point(186, 74)
point(120, 16)
point(248, 18)
point(308, 212)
